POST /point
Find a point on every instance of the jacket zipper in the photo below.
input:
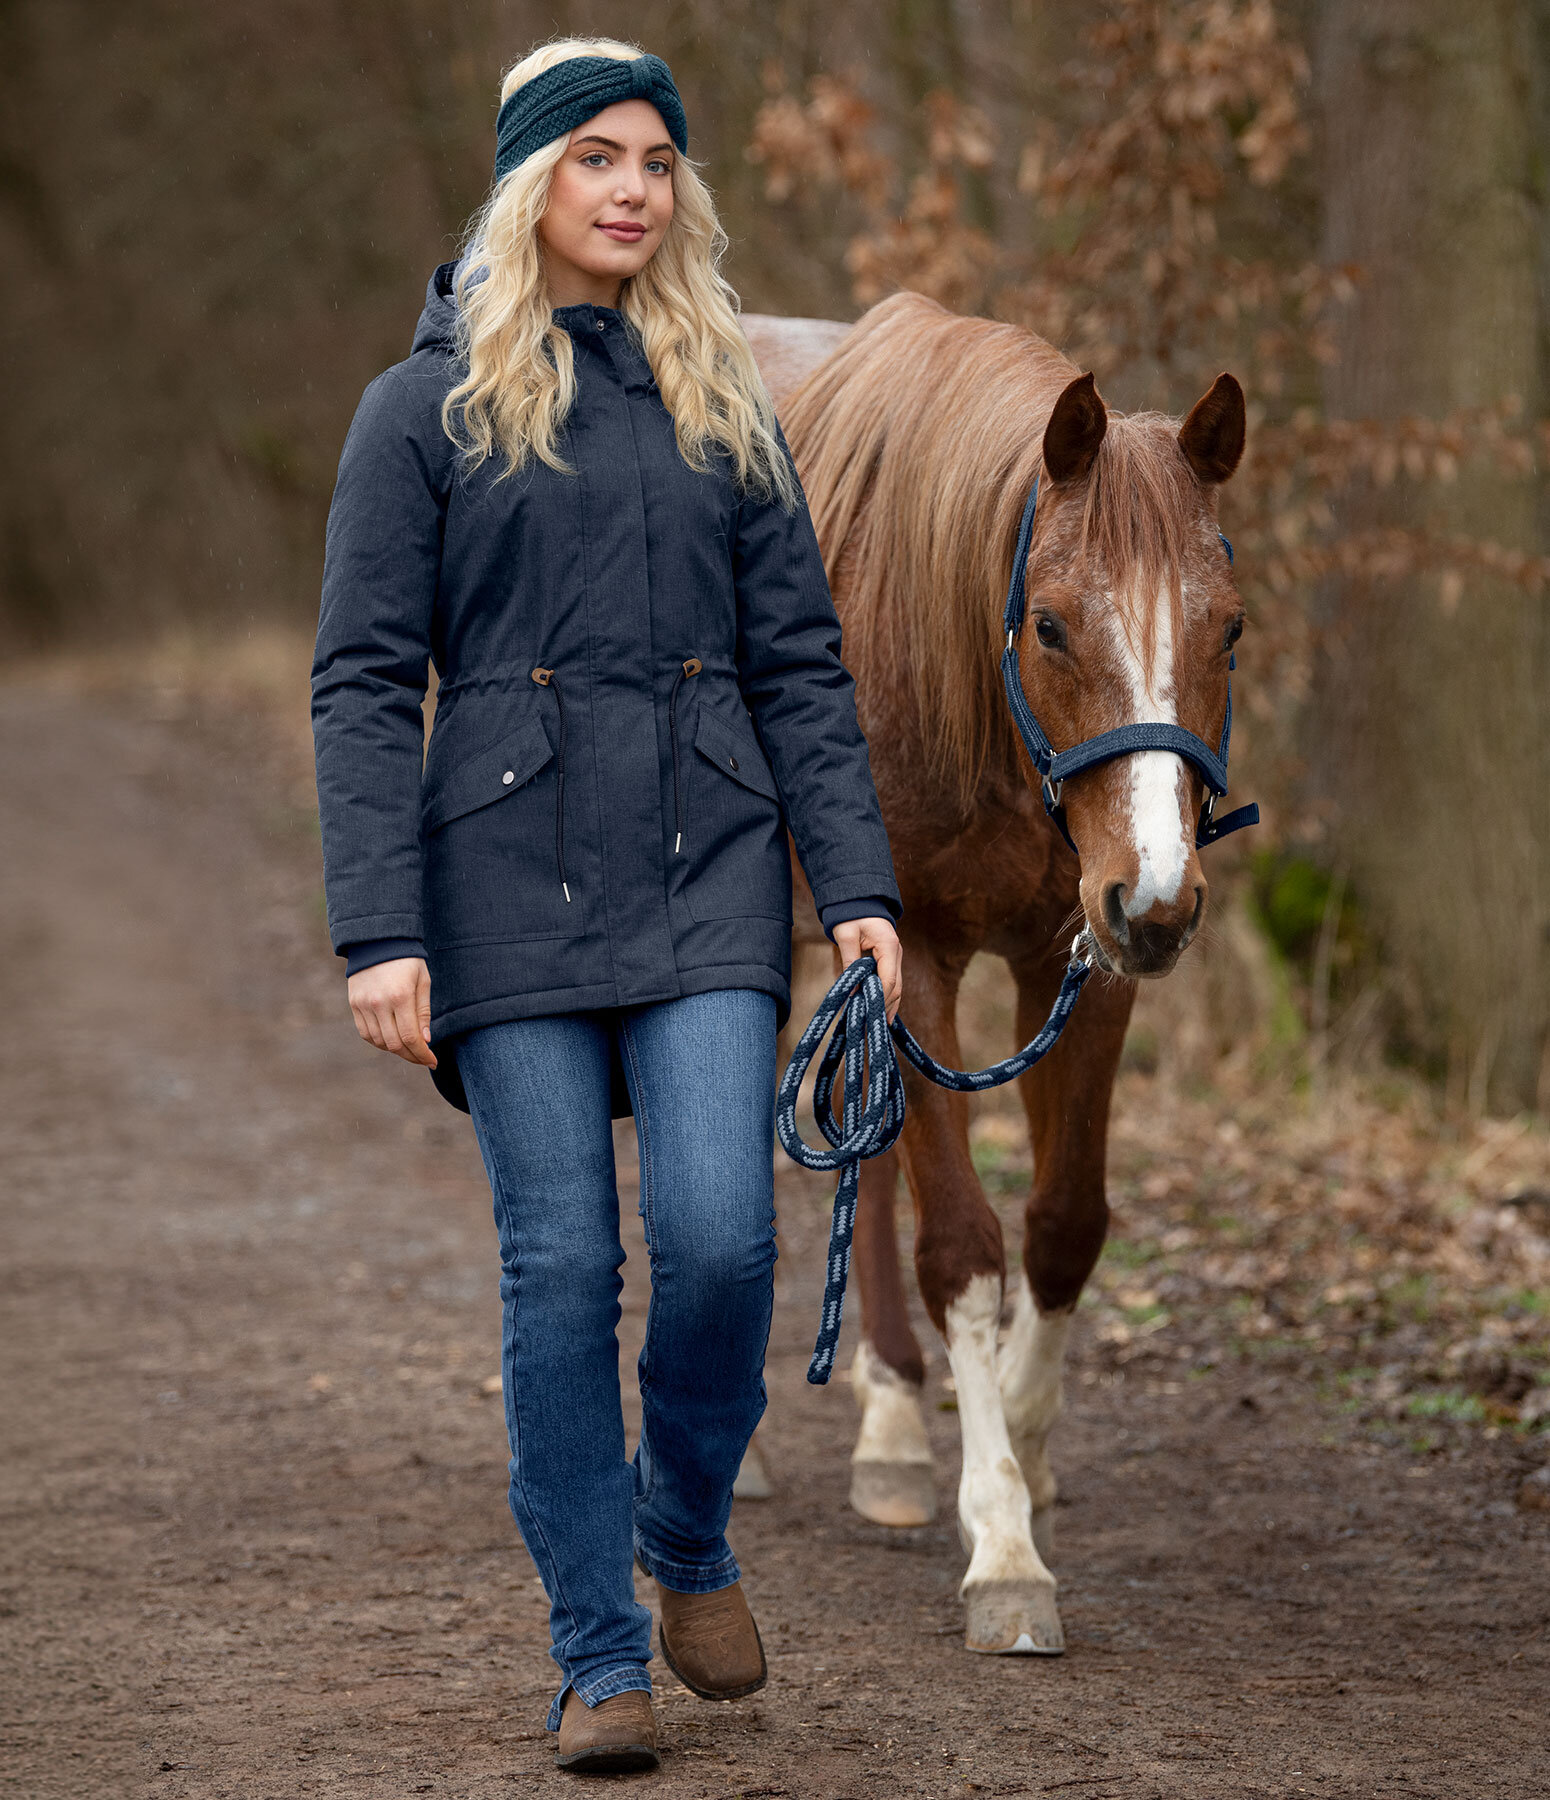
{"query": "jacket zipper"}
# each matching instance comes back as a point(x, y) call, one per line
point(690, 668)
point(545, 678)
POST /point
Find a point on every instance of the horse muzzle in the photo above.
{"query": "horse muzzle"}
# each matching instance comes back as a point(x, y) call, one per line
point(1148, 946)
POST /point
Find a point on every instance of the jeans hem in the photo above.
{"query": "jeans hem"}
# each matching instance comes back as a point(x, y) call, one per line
point(628, 1678)
point(688, 1578)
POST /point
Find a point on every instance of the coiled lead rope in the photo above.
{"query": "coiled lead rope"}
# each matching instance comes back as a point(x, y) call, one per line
point(864, 1045)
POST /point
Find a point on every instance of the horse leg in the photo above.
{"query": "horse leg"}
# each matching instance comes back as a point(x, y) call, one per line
point(1008, 1593)
point(1066, 1098)
point(892, 1476)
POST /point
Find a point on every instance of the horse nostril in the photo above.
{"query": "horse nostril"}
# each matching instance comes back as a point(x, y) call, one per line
point(1194, 918)
point(1114, 912)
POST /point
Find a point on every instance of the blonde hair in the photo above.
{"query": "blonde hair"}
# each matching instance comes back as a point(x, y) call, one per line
point(521, 376)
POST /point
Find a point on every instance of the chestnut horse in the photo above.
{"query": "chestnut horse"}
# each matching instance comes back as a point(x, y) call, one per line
point(918, 434)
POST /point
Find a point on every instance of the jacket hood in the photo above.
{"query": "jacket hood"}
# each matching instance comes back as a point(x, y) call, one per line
point(439, 314)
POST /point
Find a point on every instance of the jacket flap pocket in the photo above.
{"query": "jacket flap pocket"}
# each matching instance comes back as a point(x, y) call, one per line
point(489, 776)
point(735, 754)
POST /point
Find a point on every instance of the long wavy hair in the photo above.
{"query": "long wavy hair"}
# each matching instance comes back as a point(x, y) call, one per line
point(521, 376)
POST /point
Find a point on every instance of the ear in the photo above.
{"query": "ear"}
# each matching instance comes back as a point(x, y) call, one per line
point(1212, 435)
point(1075, 431)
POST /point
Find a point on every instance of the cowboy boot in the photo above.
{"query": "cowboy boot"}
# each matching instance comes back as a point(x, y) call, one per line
point(616, 1735)
point(711, 1643)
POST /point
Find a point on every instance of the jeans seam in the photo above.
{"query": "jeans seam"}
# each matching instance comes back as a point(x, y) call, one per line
point(648, 1207)
point(516, 1426)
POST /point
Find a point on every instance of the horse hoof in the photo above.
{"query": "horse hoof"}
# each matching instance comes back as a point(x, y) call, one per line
point(891, 1493)
point(1044, 1533)
point(752, 1483)
point(1013, 1618)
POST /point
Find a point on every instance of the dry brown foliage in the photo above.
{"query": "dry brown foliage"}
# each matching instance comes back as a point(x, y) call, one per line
point(1128, 265)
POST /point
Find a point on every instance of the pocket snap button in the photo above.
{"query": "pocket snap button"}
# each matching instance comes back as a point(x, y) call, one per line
point(509, 777)
point(732, 761)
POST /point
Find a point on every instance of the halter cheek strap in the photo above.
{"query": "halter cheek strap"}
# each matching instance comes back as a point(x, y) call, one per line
point(1125, 740)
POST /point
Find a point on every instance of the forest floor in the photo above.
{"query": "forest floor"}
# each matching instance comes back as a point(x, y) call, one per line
point(253, 1531)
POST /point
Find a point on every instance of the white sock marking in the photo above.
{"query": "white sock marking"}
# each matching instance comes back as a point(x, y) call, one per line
point(893, 1429)
point(993, 1505)
point(1030, 1363)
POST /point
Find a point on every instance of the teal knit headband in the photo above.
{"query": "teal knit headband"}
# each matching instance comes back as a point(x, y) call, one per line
point(569, 93)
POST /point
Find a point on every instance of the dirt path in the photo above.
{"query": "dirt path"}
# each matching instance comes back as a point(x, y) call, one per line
point(254, 1534)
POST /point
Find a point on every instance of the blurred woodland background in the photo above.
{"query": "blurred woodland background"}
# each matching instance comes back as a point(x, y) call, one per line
point(221, 219)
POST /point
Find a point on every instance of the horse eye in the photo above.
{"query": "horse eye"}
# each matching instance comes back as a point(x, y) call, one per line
point(1050, 632)
point(1233, 633)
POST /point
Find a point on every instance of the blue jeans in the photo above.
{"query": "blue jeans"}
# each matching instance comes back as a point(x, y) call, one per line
point(701, 1075)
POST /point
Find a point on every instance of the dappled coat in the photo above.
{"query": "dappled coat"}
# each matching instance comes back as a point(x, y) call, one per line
point(640, 689)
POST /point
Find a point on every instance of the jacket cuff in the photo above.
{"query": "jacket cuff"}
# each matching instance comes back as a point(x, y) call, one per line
point(850, 884)
point(368, 954)
point(362, 928)
point(869, 906)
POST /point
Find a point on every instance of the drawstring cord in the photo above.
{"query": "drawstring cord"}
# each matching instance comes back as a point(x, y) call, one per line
point(690, 668)
point(545, 678)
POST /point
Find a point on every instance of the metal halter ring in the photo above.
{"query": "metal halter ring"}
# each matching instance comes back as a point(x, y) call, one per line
point(1052, 792)
point(1084, 948)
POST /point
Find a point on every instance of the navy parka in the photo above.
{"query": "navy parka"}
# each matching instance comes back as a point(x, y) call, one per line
point(640, 689)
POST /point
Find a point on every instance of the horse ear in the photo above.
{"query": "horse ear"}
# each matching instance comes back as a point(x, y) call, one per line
point(1075, 431)
point(1212, 435)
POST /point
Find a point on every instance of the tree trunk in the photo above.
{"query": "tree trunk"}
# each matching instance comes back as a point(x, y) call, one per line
point(1428, 733)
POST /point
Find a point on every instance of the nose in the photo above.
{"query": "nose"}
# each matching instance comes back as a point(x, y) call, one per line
point(1151, 944)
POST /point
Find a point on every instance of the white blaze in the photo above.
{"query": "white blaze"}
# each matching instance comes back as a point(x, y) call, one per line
point(1156, 815)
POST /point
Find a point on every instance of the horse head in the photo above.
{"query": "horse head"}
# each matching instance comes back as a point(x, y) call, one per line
point(1130, 618)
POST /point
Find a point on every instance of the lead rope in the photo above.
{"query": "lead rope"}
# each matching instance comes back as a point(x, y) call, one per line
point(864, 1042)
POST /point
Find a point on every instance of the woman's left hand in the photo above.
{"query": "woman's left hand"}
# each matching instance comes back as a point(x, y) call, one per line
point(878, 939)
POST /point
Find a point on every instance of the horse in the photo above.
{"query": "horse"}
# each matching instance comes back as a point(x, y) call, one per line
point(918, 433)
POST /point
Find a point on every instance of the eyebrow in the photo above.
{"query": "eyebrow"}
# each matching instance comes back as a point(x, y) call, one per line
point(593, 138)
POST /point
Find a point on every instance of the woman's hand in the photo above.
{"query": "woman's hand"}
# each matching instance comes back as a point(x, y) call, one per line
point(878, 939)
point(391, 1002)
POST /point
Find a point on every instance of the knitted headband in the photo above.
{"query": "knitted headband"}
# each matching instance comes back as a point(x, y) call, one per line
point(569, 93)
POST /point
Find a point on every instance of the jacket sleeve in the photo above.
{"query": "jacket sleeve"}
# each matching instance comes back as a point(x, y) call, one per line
point(802, 700)
point(381, 563)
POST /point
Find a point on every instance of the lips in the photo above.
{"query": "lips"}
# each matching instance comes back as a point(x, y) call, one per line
point(622, 231)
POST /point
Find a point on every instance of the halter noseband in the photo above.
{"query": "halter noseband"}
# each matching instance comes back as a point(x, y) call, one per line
point(1125, 740)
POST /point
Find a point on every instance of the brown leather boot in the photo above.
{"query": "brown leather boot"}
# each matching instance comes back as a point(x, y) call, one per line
point(711, 1643)
point(612, 1737)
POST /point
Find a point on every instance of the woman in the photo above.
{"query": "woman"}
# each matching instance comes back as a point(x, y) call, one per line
point(574, 499)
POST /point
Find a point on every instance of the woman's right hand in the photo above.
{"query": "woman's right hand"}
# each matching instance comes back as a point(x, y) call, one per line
point(391, 1002)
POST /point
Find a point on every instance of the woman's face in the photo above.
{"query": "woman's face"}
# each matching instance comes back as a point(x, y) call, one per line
point(610, 201)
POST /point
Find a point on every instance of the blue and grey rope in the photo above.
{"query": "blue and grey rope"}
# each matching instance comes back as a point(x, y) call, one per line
point(863, 1045)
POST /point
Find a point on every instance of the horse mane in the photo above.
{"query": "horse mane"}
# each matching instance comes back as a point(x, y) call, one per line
point(917, 440)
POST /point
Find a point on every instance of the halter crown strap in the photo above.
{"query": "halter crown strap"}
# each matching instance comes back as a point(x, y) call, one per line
point(1125, 740)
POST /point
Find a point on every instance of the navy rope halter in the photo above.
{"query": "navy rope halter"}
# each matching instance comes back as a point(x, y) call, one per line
point(867, 1046)
point(1055, 766)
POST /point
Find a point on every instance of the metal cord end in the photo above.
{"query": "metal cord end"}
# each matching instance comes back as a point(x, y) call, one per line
point(1084, 948)
point(678, 843)
point(566, 886)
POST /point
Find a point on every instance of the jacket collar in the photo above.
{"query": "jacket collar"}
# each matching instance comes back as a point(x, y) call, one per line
point(438, 318)
point(584, 316)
